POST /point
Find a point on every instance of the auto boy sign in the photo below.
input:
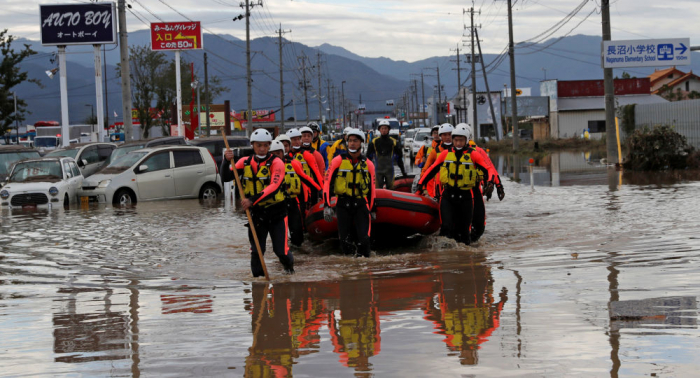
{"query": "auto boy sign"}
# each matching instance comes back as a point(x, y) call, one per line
point(78, 24)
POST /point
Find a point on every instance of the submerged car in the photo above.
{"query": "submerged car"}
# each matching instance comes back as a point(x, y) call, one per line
point(166, 172)
point(134, 145)
point(12, 154)
point(90, 157)
point(42, 182)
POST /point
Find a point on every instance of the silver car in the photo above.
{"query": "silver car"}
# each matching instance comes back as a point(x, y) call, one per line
point(90, 157)
point(159, 173)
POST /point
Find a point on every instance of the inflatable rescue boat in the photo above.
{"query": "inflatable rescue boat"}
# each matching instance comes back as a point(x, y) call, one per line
point(398, 215)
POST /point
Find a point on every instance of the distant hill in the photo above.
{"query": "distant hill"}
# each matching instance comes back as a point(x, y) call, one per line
point(375, 79)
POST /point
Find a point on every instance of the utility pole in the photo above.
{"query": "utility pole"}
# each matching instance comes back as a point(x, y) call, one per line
point(320, 103)
point(488, 91)
point(439, 94)
point(511, 52)
point(475, 119)
point(126, 75)
point(249, 78)
point(330, 98)
point(422, 90)
point(306, 97)
point(459, 77)
point(610, 129)
point(280, 32)
point(342, 85)
point(206, 96)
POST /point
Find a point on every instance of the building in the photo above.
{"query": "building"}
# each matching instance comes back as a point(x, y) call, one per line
point(674, 84)
point(577, 105)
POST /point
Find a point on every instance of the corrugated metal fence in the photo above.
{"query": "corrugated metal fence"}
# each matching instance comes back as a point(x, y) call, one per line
point(684, 116)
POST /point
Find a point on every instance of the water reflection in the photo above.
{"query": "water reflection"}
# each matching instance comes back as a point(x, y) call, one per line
point(89, 336)
point(569, 168)
point(288, 319)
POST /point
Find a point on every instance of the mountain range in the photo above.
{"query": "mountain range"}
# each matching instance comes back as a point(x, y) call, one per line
point(373, 80)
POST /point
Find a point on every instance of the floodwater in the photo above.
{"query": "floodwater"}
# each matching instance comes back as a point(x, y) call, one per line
point(593, 274)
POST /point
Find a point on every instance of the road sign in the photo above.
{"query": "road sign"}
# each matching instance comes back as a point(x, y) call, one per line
point(176, 36)
point(646, 53)
point(78, 24)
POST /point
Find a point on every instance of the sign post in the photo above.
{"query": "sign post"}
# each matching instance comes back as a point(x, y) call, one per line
point(78, 24)
point(177, 36)
point(646, 53)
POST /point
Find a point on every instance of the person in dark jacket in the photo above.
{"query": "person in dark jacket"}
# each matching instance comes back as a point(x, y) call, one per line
point(383, 150)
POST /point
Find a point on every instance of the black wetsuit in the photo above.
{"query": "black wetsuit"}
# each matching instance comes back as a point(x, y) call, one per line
point(382, 151)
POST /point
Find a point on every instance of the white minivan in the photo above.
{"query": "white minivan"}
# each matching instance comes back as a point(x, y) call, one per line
point(159, 173)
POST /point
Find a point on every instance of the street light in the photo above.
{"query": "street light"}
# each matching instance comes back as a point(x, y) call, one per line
point(342, 85)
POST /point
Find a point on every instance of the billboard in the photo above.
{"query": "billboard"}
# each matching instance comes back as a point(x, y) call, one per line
point(78, 24)
point(258, 115)
point(182, 35)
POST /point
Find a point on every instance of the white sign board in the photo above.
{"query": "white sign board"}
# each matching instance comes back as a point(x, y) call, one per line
point(518, 92)
point(646, 53)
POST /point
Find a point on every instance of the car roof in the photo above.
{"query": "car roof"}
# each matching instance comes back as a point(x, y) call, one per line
point(169, 147)
point(50, 158)
point(216, 139)
point(76, 146)
point(15, 148)
point(149, 140)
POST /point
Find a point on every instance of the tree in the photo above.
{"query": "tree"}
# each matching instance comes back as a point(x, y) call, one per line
point(154, 90)
point(10, 76)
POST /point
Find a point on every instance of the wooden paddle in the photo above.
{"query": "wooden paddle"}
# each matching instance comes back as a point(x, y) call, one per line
point(247, 212)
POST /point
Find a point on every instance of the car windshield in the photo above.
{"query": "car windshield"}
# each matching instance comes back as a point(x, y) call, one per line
point(37, 171)
point(395, 124)
point(45, 142)
point(421, 136)
point(409, 133)
point(6, 160)
point(121, 151)
point(69, 153)
point(123, 163)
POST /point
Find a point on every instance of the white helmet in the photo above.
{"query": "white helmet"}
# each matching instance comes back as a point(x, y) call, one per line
point(347, 130)
point(306, 129)
point(383, 122)
point(358, 133)
point(293, 133)
point(460, 131)
point(283, 138)
point(466, 127)
point(260, 135)
point(445, 128)
point(276, 145)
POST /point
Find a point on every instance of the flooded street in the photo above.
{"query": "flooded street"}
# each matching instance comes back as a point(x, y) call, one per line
point(593, 274)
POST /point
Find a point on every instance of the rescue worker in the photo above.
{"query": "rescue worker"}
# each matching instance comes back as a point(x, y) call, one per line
point(317, 141)
point(311, 168)
point(351, 178)
point(383, 150)
point(480, 189)
point(262, 175)
point(424, 151)
point(307, 136)
point(457, 166)
point(340, 146)
point(445, 135)
point(293, 179)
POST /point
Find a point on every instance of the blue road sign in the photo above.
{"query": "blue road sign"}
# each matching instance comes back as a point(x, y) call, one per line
point(646, 53)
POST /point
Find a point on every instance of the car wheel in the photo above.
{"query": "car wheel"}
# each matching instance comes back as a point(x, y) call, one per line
point(66, 201)
point(123, 198)
point(209, 192)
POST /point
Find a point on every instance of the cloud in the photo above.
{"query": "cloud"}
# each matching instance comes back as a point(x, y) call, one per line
point(399, 29)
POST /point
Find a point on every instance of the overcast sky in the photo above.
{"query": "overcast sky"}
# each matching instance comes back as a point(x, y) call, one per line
point(399, 29)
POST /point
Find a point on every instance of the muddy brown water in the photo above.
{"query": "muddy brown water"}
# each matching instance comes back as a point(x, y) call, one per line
point(580, 277)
